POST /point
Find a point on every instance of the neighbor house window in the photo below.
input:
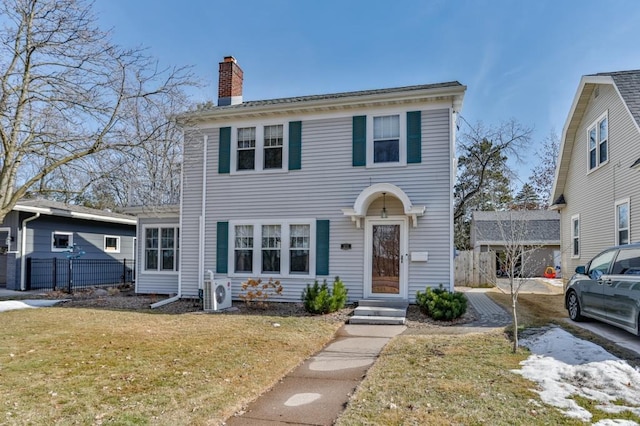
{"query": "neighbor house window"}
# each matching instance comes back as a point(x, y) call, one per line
point(598, 135)
point(161, 248)
point(273, 147)
point(112, 244)
point(271, 248)
point(61, 241)
point(243, 248)
point(246, 148)
point(622, 222)
point(258, 148)
point(575, 236)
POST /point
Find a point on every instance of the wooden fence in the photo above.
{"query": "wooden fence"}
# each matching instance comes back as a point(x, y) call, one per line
point(474, 269)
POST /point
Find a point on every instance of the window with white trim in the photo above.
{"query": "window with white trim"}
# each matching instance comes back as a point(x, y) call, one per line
point(259, 148)
point(112, 244)
point(575, 236)
point(386, 140)
point(161, 248)
point(622, 222)
point(272, 248)
point(598, 137)
point(246, 159)
point(61, 241)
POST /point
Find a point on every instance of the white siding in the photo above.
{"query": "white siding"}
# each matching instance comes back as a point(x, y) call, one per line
point(593, 195)
point(326, 184)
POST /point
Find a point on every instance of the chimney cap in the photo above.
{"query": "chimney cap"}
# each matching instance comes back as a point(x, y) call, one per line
point(230, 59)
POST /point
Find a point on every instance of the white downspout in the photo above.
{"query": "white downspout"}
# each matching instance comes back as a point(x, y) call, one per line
point(23, 249)
point(203, 208)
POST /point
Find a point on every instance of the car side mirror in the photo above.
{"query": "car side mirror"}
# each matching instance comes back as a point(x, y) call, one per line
point(580, 270)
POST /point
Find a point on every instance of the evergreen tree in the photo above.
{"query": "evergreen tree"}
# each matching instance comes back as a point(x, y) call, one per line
point(526, 199)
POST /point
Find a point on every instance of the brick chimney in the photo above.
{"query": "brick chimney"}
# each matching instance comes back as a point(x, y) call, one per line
point(230, 82)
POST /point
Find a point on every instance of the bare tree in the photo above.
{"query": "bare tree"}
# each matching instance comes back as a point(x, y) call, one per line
point(517, 253)
point(543, 173)
point(67, 93)
point(484, 177)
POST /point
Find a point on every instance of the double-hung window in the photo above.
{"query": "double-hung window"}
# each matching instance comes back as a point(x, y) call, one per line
point(575, 236)
point(161, 248)
point(246, 157)
point(386, 139)
point(598, 135)
point(272, 248)
point(259, 148)
point(622, 222)
point(273, 136)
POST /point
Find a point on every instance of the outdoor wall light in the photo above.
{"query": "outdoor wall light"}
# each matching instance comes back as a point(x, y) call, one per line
point(383, 214)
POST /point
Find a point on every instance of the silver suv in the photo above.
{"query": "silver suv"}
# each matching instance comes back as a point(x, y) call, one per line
point(608, 289)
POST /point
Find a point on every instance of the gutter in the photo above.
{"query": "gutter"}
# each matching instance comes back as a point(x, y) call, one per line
point(23, 249)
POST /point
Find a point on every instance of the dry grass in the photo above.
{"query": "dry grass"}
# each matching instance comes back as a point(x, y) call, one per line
point(81, 366)
point(448, 380)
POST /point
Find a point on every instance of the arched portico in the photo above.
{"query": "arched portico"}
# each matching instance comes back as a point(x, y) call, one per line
point(372, 193)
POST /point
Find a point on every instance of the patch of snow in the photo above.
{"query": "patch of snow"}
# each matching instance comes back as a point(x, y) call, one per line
point(565, 366)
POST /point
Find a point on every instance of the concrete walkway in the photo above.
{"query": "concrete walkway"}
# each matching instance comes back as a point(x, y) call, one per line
point(317, 392)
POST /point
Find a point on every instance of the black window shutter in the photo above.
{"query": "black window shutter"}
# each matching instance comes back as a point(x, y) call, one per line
point(222, 247)
point(359, 141)
point(224, 150)
point(414, 137)
point(295, 145)
point(322, 247)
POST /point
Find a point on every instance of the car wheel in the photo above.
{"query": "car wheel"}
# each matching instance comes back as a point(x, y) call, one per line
point(573, 306)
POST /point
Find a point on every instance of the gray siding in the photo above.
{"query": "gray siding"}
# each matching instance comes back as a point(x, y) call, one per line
point(593, 195)
point(326, 184)
point(154, 282)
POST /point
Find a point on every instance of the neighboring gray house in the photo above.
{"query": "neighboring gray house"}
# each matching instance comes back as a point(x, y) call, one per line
point(357, 185)
point(597, 182)
point(44, 230)
point(539, 229)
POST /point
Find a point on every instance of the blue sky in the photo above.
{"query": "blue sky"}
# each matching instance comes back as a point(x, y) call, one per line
point(518, 59)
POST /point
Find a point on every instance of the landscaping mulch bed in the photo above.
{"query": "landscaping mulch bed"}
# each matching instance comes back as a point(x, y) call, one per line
point(127, 300)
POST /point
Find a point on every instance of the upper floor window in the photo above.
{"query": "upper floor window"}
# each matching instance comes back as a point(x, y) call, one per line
point(622, 222)
point(575, 236)
point(386, 139)
point(259, 148)
point(61, 241)
point(246, 148)
point(161, 248)
point(598, 134)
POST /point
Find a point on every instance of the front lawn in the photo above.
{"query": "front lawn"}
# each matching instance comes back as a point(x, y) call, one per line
point(81, 366)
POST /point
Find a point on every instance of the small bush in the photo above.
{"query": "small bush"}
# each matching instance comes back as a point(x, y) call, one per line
point(255, 291)
point(441, 304)
point(319, 299)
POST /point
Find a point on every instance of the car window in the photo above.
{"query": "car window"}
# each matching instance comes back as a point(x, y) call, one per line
point(600, 264)
point(627, 262)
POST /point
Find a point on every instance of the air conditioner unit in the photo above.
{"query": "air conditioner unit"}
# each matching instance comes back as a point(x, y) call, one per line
point(216, 295)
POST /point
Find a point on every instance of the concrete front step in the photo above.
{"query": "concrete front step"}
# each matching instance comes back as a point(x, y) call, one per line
point(375, 311)
point(376, 320)
point(379, 311)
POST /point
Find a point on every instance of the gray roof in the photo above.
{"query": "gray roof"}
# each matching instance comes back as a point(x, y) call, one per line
point(539, 226)
point(628, 84)
point(297, 99)
point(56, 208)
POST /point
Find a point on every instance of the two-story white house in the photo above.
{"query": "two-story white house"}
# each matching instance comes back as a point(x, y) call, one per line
point(597, 182)
point(357, 185)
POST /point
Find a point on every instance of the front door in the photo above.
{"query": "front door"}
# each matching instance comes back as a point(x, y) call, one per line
point(385, 266)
